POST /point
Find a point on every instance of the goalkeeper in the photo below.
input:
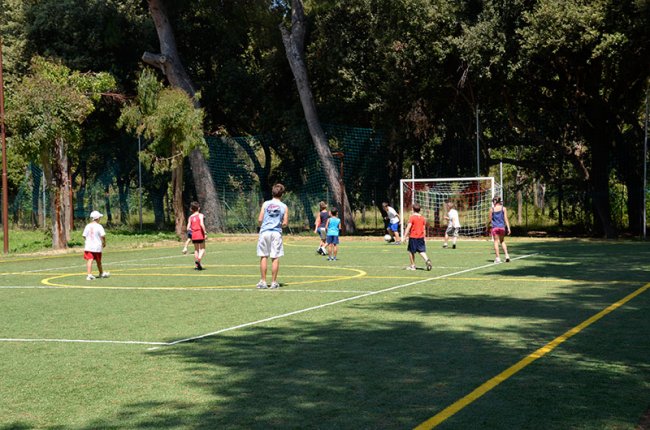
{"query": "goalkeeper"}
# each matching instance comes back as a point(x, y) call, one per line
point(453, 225)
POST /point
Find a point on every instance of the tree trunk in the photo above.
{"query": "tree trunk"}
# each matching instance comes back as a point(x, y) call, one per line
point(629, 158)
point(36, 194)
point(157, 195)
point(294, 44)
point(597, 130)
point(81, 192)
point(123, 192)
point(107, 205)
point(56, 174)
point(560, 201)
point(177, 203)
point(170, 63)
point(262, 171)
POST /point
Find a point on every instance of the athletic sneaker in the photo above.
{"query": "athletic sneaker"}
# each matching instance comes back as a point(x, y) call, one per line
point(104, 275)
point(444, 245)
point(507, 259)
point(497, 260)
point(453, 246)
point(410, 268)
point(397, 243)
point(274, 285)
point(329, 258)
point(262, 285)
point(428, 265)
point(90, 278)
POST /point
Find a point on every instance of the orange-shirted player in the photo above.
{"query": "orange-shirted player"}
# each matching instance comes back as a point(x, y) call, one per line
point(415, 235)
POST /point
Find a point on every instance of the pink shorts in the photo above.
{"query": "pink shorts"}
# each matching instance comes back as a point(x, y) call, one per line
point(97, 256)
point(499, 231)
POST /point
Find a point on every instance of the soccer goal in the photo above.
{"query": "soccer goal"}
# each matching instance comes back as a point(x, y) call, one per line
point(472, 198)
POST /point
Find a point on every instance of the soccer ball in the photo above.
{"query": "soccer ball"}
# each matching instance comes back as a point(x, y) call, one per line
point(388, 238)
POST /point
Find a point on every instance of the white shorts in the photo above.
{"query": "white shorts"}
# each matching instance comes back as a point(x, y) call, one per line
point(322, 232)
point(270, 245)
point(452, 231)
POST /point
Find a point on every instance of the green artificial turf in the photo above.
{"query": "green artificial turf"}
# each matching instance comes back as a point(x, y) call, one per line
point(355, 343)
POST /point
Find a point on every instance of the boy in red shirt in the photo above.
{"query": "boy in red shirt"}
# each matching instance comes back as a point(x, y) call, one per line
point(415, 235)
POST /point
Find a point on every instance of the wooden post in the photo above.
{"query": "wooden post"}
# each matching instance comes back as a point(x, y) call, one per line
point(5, 194)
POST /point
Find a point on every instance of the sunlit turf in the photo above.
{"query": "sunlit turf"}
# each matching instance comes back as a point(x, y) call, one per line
point(355, 343)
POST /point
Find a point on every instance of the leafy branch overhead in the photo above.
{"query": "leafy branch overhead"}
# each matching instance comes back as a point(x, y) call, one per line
point(168, 121)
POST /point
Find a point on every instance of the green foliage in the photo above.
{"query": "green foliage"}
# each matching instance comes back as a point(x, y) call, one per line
point(555, 82)
point(167, 119)
point(51, 103)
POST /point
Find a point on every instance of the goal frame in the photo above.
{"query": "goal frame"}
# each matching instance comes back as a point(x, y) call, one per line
point(413, 181)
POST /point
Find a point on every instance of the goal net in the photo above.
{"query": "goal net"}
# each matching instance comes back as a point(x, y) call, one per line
point(472, 198)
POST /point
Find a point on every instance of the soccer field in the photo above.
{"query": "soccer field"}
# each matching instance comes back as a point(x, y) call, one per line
point(555, 339)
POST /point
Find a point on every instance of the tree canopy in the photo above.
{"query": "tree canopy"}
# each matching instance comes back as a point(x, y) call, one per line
point(558, 86)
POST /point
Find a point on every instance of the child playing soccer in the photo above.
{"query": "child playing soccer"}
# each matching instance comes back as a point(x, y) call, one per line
point(415, 234)
point(273, 216)
point(321, 220)
point(333, 226)
point(393, 222)
point(500, 227)
point(95, 237)
point(196, 226)
point(453, 225)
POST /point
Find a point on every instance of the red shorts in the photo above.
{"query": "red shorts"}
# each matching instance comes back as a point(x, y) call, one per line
point(97, 256)
point(498, 231)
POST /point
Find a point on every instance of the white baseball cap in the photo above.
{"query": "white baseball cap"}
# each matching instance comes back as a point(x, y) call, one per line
point(95, 215)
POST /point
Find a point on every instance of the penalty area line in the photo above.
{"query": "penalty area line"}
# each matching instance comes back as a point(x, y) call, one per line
point(324, 305)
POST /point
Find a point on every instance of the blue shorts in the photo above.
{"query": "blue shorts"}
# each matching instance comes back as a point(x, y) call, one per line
point(393, 227)
point(417, 245)
point(333, 240)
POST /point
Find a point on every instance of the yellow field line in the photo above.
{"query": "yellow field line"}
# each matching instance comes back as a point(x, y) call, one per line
point(541, 352)
point(317, 279)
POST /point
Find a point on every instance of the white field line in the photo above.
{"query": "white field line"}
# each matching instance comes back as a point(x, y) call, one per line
point(252, 323)
point(336, 302)
point(130, 342)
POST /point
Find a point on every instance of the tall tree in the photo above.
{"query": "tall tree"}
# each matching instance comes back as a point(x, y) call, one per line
point(46, 112)
point(169, 62)
point(173, 128)
point(294, 44)
point(593, 57)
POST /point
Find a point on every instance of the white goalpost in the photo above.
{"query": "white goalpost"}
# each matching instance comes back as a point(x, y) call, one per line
point(472, 198)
